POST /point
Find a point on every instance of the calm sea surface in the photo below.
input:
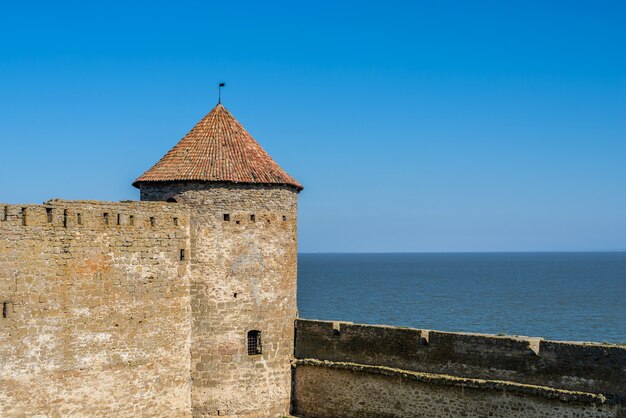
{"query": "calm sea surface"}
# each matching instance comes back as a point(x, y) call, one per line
point(562, 296)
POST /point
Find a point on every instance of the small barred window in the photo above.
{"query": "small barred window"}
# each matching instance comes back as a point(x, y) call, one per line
point(254, 342)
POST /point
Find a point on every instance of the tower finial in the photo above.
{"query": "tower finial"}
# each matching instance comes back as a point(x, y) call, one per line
point(219, 93)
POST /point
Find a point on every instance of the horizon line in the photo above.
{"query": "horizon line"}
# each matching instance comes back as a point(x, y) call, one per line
point(465, 252)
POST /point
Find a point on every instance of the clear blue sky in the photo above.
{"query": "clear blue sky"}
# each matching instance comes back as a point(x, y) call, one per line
point(414, 126)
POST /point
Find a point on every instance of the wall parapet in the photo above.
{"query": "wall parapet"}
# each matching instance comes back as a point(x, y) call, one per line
point(582, 367)
point(57, 213)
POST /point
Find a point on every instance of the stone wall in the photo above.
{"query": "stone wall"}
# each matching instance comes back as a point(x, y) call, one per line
point(244, 258)
point(96, 309)
point(390, 371)
point(143, 309)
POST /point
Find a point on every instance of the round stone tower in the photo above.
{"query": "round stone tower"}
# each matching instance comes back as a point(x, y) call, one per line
point(242, 265)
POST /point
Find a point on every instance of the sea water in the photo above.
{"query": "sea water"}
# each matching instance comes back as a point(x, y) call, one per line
point(560, 296)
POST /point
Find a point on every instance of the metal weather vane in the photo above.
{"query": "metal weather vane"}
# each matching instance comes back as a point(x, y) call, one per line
point(219, 92)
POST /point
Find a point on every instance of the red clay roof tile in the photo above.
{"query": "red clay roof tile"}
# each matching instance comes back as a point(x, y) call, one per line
point(218, 149)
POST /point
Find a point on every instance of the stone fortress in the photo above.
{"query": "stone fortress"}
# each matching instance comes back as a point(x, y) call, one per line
point(183, 304)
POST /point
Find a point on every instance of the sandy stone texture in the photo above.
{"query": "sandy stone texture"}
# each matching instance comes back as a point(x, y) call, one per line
point(96, 309)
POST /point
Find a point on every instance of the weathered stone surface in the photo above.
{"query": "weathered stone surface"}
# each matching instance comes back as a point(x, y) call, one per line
point(353, 391)
point(98, 315)
point(243, 277)
point(598, 368)
point(505, 363)
point(143, 308)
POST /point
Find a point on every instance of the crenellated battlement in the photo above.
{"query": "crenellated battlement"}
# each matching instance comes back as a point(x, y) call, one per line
point(57, 213)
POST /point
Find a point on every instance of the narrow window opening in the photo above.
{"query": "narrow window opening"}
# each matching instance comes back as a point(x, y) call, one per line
point(284, 218)
point(171, 200)
point(79, 218)
point(152, 221)
point(182, 254)
point(254, 342)
point(106, 218)
point(235, 295)
point(252, 218)
point(226, 217)
point(5, 309)
point(49, 215)
point(6, 213)
point(176, 221)
point(119, 219)
point(131, 220)
point(237, 222)
point(23, 216)
point(64, 218)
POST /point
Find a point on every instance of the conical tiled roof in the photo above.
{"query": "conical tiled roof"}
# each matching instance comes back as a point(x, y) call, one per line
point(218, 149)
